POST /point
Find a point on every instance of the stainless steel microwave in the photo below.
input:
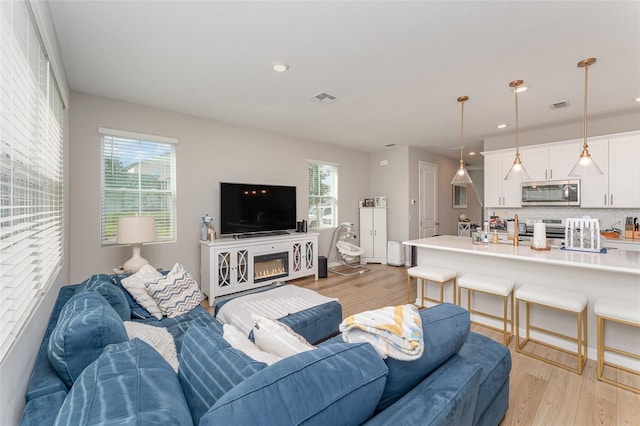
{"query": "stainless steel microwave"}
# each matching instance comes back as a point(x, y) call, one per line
point(551, 193)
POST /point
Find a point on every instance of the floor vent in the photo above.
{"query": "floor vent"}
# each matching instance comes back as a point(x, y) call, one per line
point(559, 105)
point(323, 97)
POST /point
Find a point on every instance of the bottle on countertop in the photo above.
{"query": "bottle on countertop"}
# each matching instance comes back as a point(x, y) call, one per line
point(494, 238)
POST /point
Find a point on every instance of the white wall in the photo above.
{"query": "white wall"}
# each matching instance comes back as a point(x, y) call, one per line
point(15, 368)
point(392, 181)
point(209, 152)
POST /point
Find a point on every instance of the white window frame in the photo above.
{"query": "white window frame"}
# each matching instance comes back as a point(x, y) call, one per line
point(319, 203)
point(31, 171)
point(137, 152)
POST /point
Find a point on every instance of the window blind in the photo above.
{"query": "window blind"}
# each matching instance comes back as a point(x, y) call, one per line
point(138, 178)
point(31, 170)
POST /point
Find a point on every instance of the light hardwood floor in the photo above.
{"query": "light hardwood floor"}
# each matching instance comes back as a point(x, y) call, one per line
point(540, 394)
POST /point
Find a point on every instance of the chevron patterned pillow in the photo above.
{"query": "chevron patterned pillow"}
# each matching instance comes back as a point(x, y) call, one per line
point(176, 293)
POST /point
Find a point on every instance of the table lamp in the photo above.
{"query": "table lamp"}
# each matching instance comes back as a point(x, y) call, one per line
point(135, 230)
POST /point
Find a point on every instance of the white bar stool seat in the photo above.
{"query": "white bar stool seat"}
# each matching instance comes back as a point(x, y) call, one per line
point(434, 274)
point(494, 286)
point(566, 301)
point(623, 312)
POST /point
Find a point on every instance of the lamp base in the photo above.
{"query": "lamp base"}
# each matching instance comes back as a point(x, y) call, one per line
point(136, 262)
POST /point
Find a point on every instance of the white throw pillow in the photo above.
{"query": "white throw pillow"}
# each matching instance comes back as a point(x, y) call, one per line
point(240, 342)
point(158, 338)
point(176, 293)
point(274, 337)
point(135, 286)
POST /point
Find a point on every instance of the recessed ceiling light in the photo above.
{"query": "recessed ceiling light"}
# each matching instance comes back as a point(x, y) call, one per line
point(280, 67)
point(472, 153)
point(501, 126)
point(637, 99)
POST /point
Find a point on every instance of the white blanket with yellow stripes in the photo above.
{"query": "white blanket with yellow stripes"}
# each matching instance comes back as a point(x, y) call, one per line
point(394, 331)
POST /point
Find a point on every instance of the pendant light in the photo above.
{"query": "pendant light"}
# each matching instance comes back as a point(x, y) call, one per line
point(517, 171)
point(462, 177)
point(585, 165)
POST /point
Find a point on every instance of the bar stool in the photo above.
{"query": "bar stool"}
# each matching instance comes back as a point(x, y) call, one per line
point(495, 287)
point(561, 300)
point(623, 312)
point(434, 274)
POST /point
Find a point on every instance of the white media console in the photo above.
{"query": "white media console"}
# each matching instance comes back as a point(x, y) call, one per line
point(230, 265)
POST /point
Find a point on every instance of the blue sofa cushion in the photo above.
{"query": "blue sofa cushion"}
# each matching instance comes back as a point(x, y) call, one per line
point(209, 367)
point(448, 396)
point(445, 329)
point(178, 326)
point(129, 384)
point(334, 384)
point(495, 361)
point(137, 311)
point(86, 325)
point(42, 411)
point(102, 284)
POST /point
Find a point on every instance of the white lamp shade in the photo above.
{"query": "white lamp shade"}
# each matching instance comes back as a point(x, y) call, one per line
point(136, 229)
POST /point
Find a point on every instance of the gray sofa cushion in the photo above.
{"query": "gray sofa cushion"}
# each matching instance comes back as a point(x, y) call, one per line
point(336, 384)
point(86, 325)
point(129, 384)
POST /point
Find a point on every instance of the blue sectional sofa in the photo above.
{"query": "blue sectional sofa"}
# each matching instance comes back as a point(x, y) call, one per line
point(88, 372)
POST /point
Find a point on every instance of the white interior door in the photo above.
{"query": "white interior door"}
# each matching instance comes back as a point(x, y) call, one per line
point(428, 199)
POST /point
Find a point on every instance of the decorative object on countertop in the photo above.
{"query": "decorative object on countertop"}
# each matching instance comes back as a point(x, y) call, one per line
point(462, 178)
point(516, 225)
point(585, 164)
point(582, 234)
point(539, 236)
point(517, 171)
point(135, 230)
point(204, 231)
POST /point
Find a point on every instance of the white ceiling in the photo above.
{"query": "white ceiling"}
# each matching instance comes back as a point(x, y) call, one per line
point(395, 67)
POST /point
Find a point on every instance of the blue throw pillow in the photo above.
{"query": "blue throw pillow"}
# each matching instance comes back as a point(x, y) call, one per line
point(209, 367)
point(87, 323)
point(332, 385)
point(445, 328)
point(102, 284)
point(129, 384)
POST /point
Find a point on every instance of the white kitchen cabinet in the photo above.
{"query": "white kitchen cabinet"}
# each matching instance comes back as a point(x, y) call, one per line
point(373, 234)
point(619, 186)
point(550, 161)
point(497, 191)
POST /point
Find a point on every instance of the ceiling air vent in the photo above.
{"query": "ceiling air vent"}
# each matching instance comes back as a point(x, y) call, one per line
point(323, 97)
point(559, 105)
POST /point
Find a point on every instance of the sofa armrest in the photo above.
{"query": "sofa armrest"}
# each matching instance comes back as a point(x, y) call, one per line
point(446, 397)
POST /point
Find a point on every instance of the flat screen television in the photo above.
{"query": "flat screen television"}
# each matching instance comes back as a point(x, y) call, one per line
point(254, 208)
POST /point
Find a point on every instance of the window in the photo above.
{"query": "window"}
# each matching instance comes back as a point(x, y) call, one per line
point(138, 178)
point(323, 195)
point(31, 171)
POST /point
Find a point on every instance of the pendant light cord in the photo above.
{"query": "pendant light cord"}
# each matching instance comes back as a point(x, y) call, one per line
point(461, 132)
point(586, 78)
point(515, 91)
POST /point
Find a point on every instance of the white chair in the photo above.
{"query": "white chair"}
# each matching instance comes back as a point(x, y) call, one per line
point(426, 274)
point(573, 303)
point(496, 287)
point(623, 312)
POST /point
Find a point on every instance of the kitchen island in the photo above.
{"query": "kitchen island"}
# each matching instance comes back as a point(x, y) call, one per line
point(613, 274)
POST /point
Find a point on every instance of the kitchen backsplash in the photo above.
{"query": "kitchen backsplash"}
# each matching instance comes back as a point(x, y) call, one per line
point(607, 217)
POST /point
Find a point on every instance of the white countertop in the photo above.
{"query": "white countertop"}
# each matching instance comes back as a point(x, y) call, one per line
point(623, 261)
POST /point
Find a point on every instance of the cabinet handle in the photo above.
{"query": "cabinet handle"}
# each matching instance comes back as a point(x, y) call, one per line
point(611, 201)
point(605, 199)
point(545, 174)
point(551, 174)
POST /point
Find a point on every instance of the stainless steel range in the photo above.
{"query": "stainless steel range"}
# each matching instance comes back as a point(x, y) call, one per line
point(554, 227)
